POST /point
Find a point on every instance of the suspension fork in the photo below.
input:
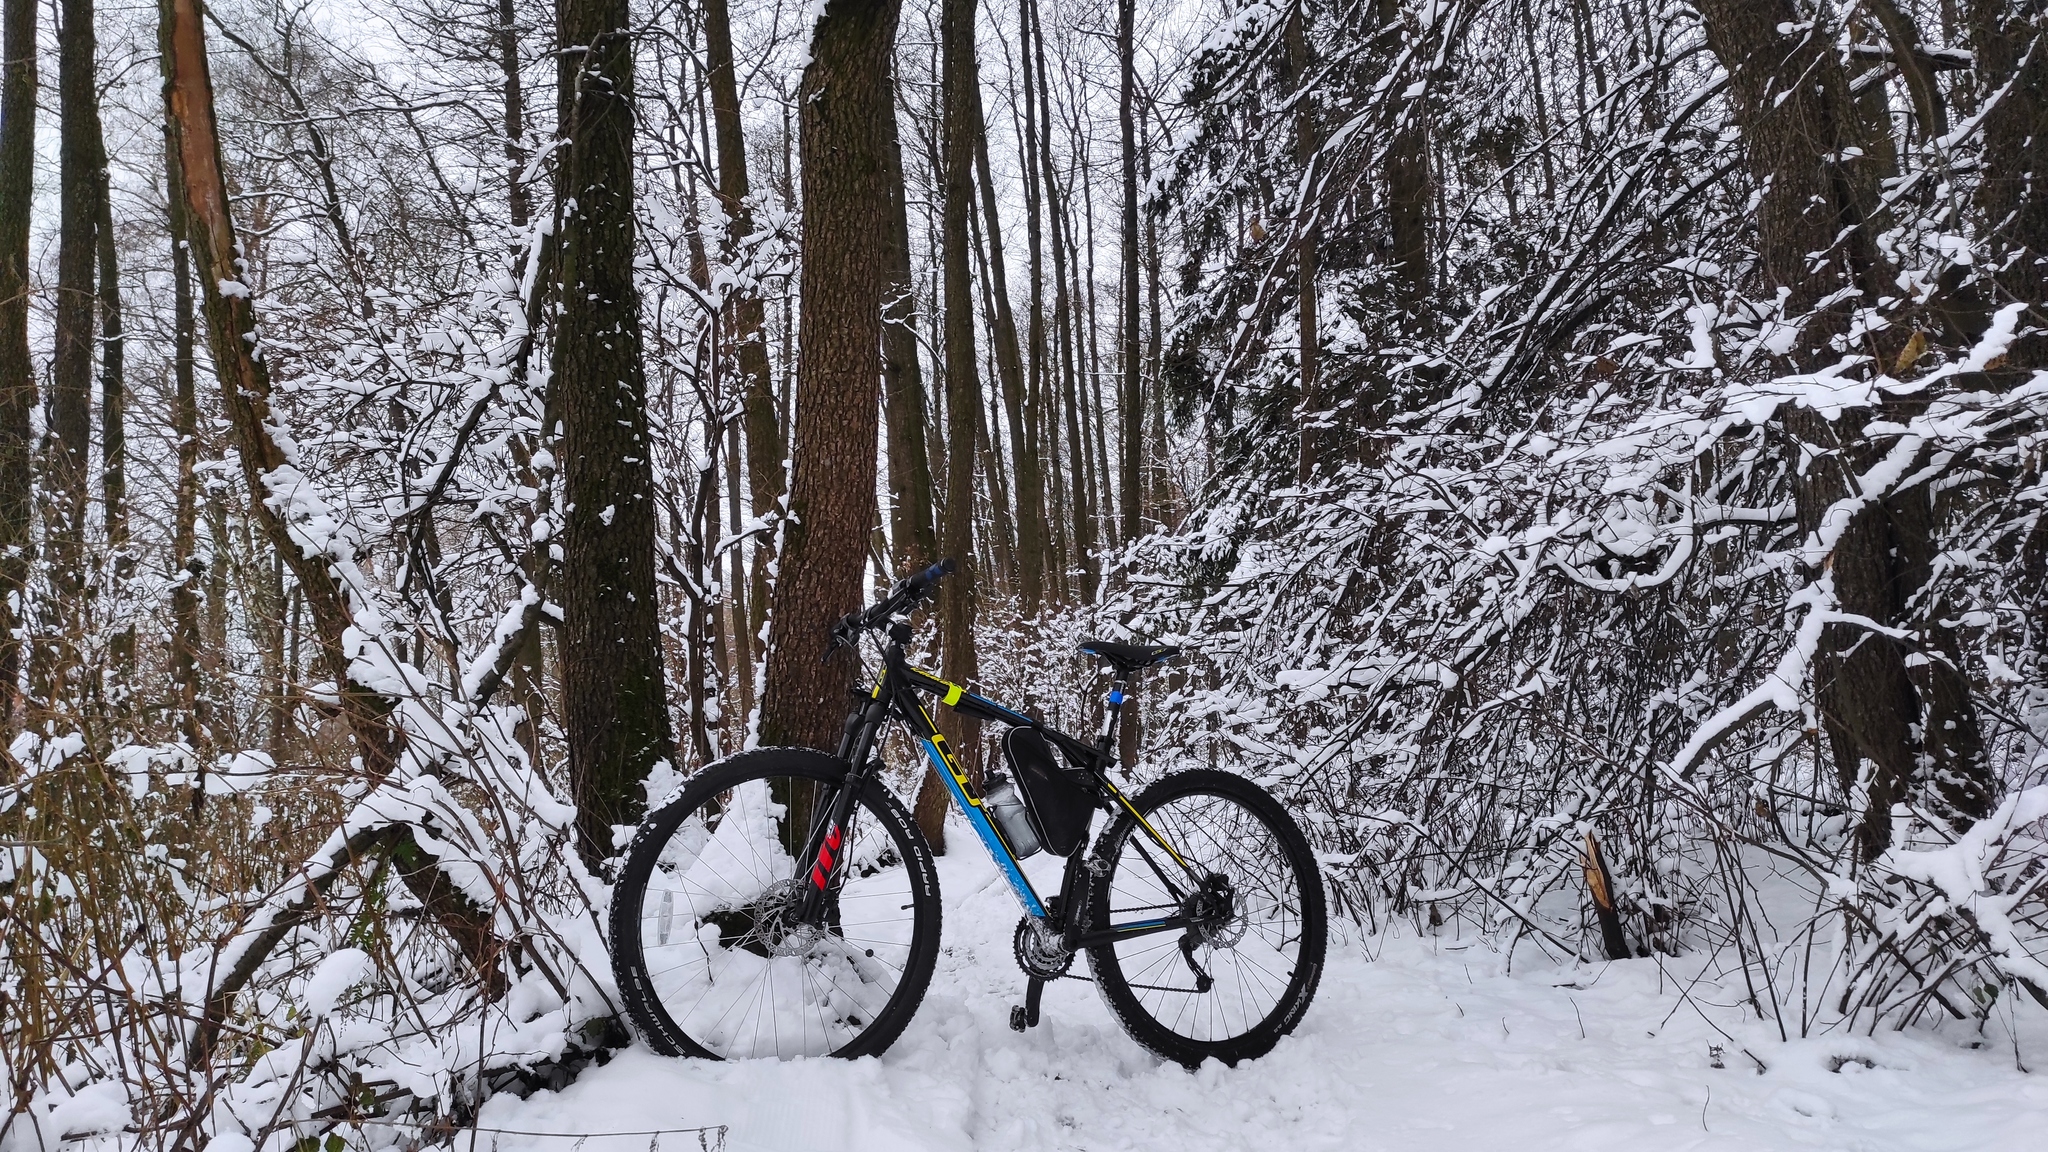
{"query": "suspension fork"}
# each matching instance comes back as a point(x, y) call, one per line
point(831, 828)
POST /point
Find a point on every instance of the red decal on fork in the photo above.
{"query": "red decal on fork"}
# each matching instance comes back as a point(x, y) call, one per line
point(823, 867)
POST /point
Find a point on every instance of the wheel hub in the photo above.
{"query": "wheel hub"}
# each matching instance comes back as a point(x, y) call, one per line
point(1214, 910)
point(776, 924)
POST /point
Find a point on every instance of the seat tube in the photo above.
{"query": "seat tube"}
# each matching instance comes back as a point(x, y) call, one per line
point(1111, 714)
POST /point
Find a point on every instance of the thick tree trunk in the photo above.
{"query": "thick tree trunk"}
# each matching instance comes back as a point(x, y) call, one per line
point(614, 698)
point(842, 99)
point(1806, 141)
point(17, 373)
point(958, 603)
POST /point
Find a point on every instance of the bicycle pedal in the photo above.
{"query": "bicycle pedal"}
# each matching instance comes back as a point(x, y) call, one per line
point(1019, 1020)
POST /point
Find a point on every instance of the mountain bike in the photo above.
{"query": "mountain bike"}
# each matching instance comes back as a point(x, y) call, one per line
point(786, 904)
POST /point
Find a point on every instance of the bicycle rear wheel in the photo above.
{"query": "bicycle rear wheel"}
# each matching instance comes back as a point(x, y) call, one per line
point(711, 957)
point(1231, 986)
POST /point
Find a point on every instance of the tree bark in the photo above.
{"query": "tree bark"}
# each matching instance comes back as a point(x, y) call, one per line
point(766, 443)
point(1131, 443)
point(17, 373)
point(844, 94)
point(1040, 414)
point(614, 698)
point(120, 677)
point(1159, 489)
point(1313, 416)
point(958, 603)
point(1002, 325)
point(188, 569)
point(1807, 143)
point(1409, 196)
point(2012, 54)
point(913, 532)
point(512, 89)
point(79, 156)
point(1079, 518)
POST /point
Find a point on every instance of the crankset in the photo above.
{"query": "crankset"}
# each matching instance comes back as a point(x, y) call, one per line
point(1039, 950)
point(1043, 956)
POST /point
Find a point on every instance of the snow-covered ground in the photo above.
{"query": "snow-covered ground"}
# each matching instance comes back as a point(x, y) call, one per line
point(1411, 1044)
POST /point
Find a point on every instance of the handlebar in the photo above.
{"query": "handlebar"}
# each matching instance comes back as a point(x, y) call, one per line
point(901, 598)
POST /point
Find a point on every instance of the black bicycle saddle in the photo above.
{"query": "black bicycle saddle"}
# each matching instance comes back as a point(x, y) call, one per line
point(1129, 657)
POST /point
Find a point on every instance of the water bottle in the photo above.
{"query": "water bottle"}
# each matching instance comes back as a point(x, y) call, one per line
point(1006, 806)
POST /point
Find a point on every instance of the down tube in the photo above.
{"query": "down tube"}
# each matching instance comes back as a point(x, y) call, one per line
point(997, 850)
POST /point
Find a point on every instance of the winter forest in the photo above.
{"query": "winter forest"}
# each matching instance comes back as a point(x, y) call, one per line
point(1593, 454)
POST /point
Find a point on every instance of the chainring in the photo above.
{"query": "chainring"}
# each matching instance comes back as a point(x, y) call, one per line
point(1039, 952)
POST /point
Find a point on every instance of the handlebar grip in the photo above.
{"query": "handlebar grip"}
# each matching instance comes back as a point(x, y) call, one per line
point(932, 575)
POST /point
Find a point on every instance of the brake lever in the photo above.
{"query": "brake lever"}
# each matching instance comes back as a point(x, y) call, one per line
point(844, 634)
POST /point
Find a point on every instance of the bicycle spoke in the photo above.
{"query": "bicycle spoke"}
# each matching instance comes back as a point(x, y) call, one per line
point(737, 969)
point(1248, 962)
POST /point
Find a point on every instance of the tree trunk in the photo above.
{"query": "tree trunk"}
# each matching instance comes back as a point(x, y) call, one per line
point(17, 373)
point(1159, 492)
point(1131, 443)
point(999, 543)
point(743, 639)
point(913, 532)
point(1806, 142)
point(518, 199)
point(766, 443)
point(844, 95)
point(1409, 196)
point(957, 604)
point(1002, 325)
point(120, 675)
point(614, 698)
point(1040, 419)
point(245, 399)
point(527, 676)
point(1079, 518)
point(79, 156)
point(1314, 417)
point(2013, 189)
point(188, 569)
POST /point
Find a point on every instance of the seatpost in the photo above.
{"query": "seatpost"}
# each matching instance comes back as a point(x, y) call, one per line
point(1112, 714)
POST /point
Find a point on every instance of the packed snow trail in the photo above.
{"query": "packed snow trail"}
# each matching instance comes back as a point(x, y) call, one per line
point(1411, 1044)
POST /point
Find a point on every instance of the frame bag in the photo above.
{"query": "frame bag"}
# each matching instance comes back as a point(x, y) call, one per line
point(1060, 808)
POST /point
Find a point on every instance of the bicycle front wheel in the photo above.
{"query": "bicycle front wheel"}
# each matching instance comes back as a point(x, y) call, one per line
point(712, 954)
point(1240, 978)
